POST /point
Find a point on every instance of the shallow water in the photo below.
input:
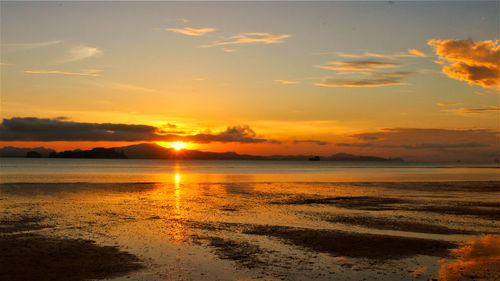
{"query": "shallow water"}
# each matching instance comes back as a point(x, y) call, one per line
point(192, 223)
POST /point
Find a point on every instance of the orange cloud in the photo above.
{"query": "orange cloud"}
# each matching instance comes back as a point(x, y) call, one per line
point(357, 65)
point(409, 53)
point(478, 63)
point(250, 37)
point(286, 82)
point(477, 110)
point(191, 31)
point(416, 53)
point(85, 72)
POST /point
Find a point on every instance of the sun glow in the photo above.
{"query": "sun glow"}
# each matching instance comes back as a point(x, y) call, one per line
point(178, 145)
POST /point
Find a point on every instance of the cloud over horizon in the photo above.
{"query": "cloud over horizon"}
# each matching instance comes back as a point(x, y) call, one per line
point(61, 129)
point(317, 142)
point(425, 138)
point(477, 63)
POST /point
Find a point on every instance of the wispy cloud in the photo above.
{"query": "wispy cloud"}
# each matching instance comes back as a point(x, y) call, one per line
point(250, 37)
point(286, 82)
point(477, 63)
point(127, 87)
point(409, 53)
point(357, 65)
point(471, 110)
point(85, 72)
point(82, 52)
point(317, 142)
point(4, 63)
point(418, 145)
point(191, 31)
point(228, 50)
point(424, 138)
point(448, 104)
point(376, 79)
point(35, 44)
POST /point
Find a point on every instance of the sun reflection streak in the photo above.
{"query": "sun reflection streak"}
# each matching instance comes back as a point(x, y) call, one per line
point(178, 233)
point(177, 193)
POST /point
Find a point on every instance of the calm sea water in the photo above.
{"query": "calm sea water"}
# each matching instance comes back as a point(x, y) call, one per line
point(139, 170)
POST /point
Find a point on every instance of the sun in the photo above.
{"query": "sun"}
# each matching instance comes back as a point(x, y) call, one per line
point(178, 145)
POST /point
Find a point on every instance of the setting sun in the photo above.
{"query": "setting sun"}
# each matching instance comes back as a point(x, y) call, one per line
point(178, 145)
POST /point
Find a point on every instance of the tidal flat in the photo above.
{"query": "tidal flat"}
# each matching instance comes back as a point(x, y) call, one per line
point(250, 231)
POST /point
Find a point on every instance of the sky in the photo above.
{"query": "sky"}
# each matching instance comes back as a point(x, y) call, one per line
point(417, 80)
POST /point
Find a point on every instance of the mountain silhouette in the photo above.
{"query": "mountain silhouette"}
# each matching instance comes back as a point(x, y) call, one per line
point(154, 151)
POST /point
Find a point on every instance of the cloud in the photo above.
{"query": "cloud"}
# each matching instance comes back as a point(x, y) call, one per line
point(85, 72)
point(409, 53)
point(318, 142)
point(200, 79)
point(250, 37)
point(416, 52)
point(425, 138)
point(191, 31)
point(228, 50)
point(4, 63)
point(123, 86)
point(469, 110)
point(286, 82)
point(448, 104)
point(477, 63)
point(376, 79)
point(82, 52)
point(357, 65)
point(418, 145)
point(61, 129)
point(35, 44)
point(241, 134)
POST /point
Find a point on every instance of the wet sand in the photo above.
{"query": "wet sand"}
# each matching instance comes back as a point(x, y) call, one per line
point(248, 231)
point(35, 257)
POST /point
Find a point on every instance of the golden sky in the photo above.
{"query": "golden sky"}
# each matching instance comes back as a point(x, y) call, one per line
point(418, 80)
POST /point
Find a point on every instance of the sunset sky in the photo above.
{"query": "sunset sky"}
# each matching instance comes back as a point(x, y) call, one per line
point(418, 80)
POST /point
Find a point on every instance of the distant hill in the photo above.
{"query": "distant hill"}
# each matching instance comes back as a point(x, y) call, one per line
point(154, 151)
point(10, 151)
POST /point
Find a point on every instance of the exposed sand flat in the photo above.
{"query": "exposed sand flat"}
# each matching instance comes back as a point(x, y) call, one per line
point(394, 224)
point(356, 245)
point(35, 257)
point(249, 230)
